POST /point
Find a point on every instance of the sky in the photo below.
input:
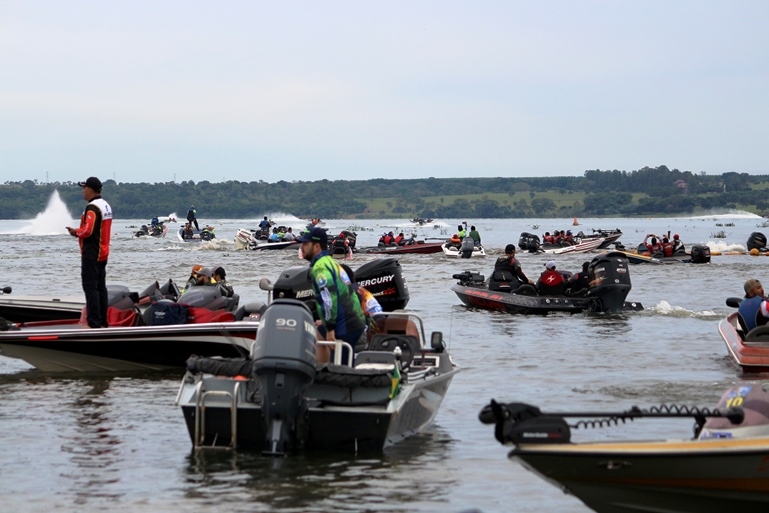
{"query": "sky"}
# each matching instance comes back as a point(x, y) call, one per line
point(161, 91)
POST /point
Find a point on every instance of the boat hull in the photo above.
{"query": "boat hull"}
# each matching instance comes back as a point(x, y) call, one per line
point(80, 349)
point(426, 248)
point(751, 357)
point(673, 476)
point(453, 251)
point(329, 427)
point(485, 299)
point(30, 309)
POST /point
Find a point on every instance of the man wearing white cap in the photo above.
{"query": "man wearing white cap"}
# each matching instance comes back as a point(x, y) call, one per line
point(550, 282)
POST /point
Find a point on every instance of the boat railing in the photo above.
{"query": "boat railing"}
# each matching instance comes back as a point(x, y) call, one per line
point(200, 414)
point(338, 346)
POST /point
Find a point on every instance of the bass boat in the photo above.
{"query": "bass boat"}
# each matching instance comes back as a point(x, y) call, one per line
point(206, 234)
point(258, 240)
point(467, 249)
point(699, 254)
point(280, 401)
point(609, 279)
point(416, 247)
point(158, 230)
point(723, 467)
point(748, 348)
point(158, 336)
point(599, 239)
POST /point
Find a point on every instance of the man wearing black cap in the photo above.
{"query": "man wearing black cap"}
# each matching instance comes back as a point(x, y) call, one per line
point(220, 278)
point(93, 236)
point(338, 307)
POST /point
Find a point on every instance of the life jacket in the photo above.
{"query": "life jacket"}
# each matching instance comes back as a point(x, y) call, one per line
point(399, 239)
point(548, 239)
point(654, 248)
point(750, 311)
point(388, 239)
point(667, 249)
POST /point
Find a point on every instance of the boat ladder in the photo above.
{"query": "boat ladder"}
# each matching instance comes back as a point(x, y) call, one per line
point(200, 415)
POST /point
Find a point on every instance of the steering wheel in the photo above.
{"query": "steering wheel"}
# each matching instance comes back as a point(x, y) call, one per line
point(390, 342)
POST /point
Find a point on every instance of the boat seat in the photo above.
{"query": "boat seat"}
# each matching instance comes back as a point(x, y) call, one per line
point(374, 359)
point(556, 290)
point(121, 318)
point(198, 315)
point(743, 325)
point(759, 334)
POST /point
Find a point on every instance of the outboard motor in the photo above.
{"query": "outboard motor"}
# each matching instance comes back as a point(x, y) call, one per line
point(119, 297)
point(529, 242)
point(210, 297)
point(294, 283)
point(384, 279)
point(609, 278)
point(757, 240)
point(467, 247)
point(700, 254)
point(283, 357)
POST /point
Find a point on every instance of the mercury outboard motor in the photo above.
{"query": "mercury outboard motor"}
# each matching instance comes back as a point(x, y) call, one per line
point(609, 278)
point(700, 254)
point(757, 240)
point(283, 363)
point(384, 279)
point(529, 242)
point(467, 247)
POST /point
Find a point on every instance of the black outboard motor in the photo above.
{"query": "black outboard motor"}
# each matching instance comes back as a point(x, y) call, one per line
point(467, 247)
point(119, 297)
point(283, 357)
point(700, 254)
point(609, 278)
point(384, 279)
point(757, 240)
point(206, 296)
point(529, 242)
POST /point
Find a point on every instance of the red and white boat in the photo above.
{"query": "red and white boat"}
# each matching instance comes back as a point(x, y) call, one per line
point(750, 351)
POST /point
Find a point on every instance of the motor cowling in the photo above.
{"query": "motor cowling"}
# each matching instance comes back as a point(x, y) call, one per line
point(384, 279)
point(700, 254)
point(467, 247)
point(757, 240)
point(210, 297)
point(529, 242)
point(609, 281)
point(283, 357)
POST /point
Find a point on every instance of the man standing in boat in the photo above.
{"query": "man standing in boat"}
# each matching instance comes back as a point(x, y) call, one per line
point(338, 307)
point(192, 217)
point(93, 237)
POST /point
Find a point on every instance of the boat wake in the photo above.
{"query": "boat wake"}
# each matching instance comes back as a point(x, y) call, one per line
point(666, 309)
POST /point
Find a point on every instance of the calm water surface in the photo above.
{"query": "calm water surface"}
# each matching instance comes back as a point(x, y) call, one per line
point(83, 444)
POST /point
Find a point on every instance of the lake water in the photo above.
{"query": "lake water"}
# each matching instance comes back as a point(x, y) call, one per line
point(119, 444)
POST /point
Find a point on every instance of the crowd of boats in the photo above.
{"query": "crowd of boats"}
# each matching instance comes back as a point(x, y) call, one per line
point(252, 381)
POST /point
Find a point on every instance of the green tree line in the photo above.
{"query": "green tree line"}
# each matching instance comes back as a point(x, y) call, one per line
point(646, 191)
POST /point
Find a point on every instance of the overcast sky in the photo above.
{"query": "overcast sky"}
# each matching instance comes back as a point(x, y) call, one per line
point(280, 90)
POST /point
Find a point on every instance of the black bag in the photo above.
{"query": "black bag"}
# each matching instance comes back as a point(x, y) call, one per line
point(164, 313)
